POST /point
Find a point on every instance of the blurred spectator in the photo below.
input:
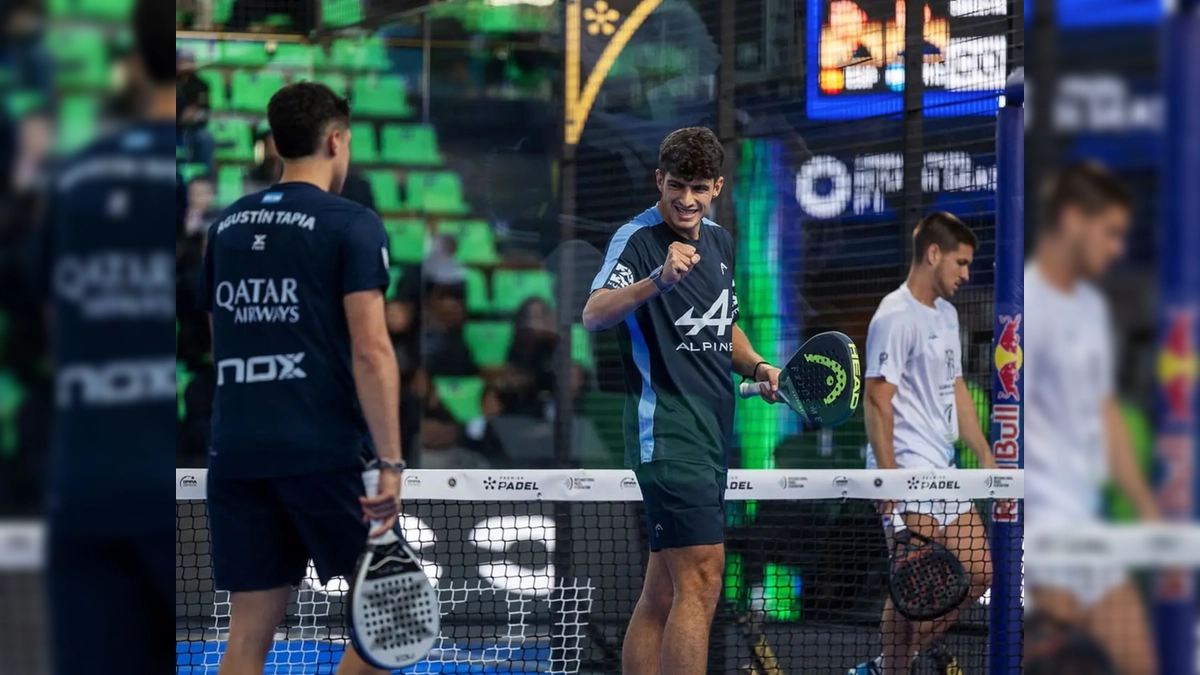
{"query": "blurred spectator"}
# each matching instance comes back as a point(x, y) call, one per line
point(527, 384)
point(27, 137)
point(441, 440)
point(444, 349)
point(192, 113)
point(268, 166)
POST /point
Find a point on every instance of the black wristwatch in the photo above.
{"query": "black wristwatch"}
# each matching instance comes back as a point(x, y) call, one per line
point(656, 279)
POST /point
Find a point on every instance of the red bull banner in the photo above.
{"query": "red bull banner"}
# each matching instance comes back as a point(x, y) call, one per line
point(1004, 652)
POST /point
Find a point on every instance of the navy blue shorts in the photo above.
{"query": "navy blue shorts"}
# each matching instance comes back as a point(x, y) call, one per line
point(684, 502)
point(263, 531)
point(111, 603)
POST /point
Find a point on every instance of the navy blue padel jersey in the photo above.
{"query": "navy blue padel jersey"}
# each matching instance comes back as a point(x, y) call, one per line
point(277, 268)
point(107, 266)
point(677, 348)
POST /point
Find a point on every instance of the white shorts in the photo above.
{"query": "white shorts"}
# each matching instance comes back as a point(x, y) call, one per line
point(1089, 585)
point(945, 512)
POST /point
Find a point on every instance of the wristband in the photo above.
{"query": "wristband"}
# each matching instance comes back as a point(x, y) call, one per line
point(754, 373)
point(656, 279)
point(398, 467)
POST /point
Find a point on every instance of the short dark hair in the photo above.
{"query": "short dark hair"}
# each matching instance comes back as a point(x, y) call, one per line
point(693, 153)
point(1088, 186)
point(154, 42)
point(299, 115)
point(943, 229)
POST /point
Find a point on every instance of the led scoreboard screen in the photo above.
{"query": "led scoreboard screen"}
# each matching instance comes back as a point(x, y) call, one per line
point(856, 57)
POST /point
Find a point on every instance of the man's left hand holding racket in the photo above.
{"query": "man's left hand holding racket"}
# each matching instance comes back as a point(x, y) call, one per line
point(394, 615)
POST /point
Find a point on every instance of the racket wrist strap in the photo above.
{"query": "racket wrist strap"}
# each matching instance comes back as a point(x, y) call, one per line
point(754, 373)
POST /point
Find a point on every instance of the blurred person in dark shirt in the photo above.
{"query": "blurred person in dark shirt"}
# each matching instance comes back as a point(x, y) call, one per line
point(105, 262)
point(192, 113)
point(444, 349)
point(26, 136)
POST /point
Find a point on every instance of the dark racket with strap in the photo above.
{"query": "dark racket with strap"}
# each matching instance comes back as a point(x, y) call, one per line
point(821, 383)
point(926, 581)
point(394, 614)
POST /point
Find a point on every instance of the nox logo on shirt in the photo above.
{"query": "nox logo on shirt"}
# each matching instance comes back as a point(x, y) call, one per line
point(261, 369)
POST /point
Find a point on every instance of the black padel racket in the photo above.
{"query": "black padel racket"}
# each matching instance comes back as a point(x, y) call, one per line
point(926, 581)
point(394, 615)
point(822, 381)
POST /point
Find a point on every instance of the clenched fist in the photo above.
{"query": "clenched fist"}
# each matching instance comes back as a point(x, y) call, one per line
point(681, 258)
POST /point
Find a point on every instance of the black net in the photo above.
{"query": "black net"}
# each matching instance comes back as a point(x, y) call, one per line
point(548, 585)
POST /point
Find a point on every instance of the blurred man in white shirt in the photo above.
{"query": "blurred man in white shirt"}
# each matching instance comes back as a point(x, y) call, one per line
point(1075, 436)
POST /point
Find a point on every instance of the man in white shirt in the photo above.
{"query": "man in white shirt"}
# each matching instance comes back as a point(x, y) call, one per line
point(917, 406)
point(1075, 436)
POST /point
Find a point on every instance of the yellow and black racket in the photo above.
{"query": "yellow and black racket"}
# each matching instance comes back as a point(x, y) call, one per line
point(822, 382)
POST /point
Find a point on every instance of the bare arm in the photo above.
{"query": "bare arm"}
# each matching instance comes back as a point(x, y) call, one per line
point(744, 356)
point(606, 307)
point(968, 425)
point(376, 376)
point(880, 421)
point(1123, 463)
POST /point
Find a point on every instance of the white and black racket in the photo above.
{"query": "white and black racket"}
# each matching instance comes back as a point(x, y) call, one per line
point(925, 579)
point(394, 615)
point(821, 383)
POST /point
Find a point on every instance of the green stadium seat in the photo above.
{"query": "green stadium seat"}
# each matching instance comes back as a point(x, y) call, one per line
point(242, 54)
point(438, 192)
point(514, 287)
point(363, 147)
point(60, 9)
point(111, 10)
point(335, 81)
point(406, 240)
point(192, 171)
point(488, 341)
point(234, 139)
point(475, 238)
point(292, 55)
point(77, 128)
point(581, 347)
point(80, 57)
point(253, 90)
point(478, 300)
point(381, 96)
point(230, 186)
point(12, 394)
point(461, 396)
point(410, 145)
point(218, 95)
point(222, 11)
point(394, 275)
point(364, 54)
point(183, 378)
point(385, 189)
point(338, 13)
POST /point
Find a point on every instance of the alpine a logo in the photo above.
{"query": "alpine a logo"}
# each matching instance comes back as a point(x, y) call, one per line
point(717, 317)
point(261, 369)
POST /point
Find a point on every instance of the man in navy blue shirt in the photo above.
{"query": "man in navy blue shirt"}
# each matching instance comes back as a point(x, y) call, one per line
point(108, 266)
point(294, 280)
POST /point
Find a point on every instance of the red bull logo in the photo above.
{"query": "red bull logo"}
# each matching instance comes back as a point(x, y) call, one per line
point(1009, 358)
point(1178, 366)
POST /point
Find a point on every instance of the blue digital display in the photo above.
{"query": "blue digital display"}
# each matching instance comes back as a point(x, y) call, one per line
point(856, 62)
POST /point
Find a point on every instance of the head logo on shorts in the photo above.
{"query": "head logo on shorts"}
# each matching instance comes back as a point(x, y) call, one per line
point(1009, 358)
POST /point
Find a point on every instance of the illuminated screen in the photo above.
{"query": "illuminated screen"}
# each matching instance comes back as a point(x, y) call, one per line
point(856, 57)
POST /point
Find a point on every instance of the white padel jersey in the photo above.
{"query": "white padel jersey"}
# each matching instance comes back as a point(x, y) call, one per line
point(1069, 372)
point(917, 348)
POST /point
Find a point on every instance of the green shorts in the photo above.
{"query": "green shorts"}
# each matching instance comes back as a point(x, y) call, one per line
point(684, 502)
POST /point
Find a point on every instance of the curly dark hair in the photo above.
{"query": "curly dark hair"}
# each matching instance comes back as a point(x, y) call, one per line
point(299, 115)
point(692, 153)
